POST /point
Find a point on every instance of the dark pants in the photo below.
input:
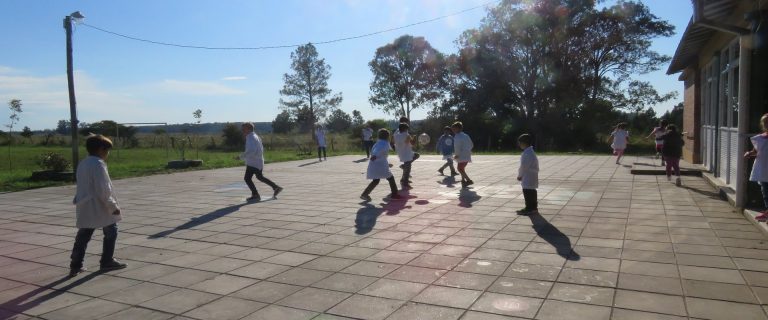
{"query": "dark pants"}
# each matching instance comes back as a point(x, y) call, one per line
point(530, 199)
point(764, 189)
point(448, 164)
point(81, 244)
point(367, 145)
point(673, 164)
point(249, 173)
point(375, 182)
point(319, 150)
point(406, 172)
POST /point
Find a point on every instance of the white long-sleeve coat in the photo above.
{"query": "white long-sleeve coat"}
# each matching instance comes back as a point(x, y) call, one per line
point(254, 151)
point(95, 200)
point(462, 147)
point(379, 168)
point(529, 169)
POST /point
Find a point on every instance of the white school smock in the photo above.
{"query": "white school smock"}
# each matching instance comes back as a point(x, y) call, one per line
point(379, 168)
point(320, 135)
point(95, 200)
point(367, 134)
point(254, 152)
point(659, 132)
point(402, 147)
point(760, 168)
point(462, 147)
point(619, 139)
point(529, 169)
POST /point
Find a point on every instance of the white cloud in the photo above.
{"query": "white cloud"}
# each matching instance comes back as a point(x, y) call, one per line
point(234, 78)
point(197, 88)
point(7, 70)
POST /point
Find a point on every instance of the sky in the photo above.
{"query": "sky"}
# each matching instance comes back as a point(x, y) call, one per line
point(128, 81)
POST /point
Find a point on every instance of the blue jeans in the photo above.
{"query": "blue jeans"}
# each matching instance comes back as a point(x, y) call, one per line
point(764, 189)
point(81, 244)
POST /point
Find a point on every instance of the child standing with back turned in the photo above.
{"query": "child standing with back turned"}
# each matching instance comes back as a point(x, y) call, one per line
point(671, 151)
point(760, 167)
point(620, 140)
point(528, 175)
point(445, 147)
point(462, 148)
point(378, 167)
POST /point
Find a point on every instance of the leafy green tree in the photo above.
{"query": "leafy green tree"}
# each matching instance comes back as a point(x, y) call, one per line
point(305, 92)
point(15, 107)
point(233, 136)
point(338, 121)
point(407, 74)
point(63, 127)
point(111, 128)
point(283, 123)
point(27, 133)
point(675, 116)
point(357, 118)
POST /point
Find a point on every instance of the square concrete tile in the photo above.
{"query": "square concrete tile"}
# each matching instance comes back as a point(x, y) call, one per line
point(718, 291)
point(300, 276)
point(267, 292)
point(507, 305)
point(722, 310)
point(290, 258)
point(531, 271)
point(393, 289)
point(588, 277)
point(650, 284)
point(345, 282)
point(651, 302)
point(282, 313)
point(416, 274)
point(448, 297)
point(365, 307)
point(624, 314)
point(226, 308)
point(91, 309)
point(223, 284)
point(559, 310)
point(180, 301)
point(582, 294)
point(417, 311)
point(139, 293)
point(482, 266)
point(711, 274)
point(318, 300)
point(521, 287)
point(465, 280)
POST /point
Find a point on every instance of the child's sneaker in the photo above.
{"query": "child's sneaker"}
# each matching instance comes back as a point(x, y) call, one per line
point(678, 182)
point(75, 272)
point(441, 172)
point(669, 178)
point(470, 182)
point(365, 197)
point(276, 192)
point(763, 216)
point(254, 199)
point(112, 265)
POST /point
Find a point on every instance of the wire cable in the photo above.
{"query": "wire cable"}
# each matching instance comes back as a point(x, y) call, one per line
point(170, 44)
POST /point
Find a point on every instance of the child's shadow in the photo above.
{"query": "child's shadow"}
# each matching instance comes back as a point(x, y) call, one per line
point(467, 197)
point(554, 236)
point(365, 219)
point(448, 181)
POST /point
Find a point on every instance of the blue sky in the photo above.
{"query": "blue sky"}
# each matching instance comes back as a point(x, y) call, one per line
point(130, 81)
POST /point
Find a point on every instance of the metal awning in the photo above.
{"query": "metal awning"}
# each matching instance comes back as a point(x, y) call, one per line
point(696, 36)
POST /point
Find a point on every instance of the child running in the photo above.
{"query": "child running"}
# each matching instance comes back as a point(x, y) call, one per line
point(378, 167)
point(659, 132)
point(404, 148)
point(445, 147)
point(462, 148)
point(672, 150)
point(760, 167)
point(96, 207)
point(528, 175)
point(620, 140)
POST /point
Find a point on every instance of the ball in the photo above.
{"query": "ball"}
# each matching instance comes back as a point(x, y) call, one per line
point(423, 139)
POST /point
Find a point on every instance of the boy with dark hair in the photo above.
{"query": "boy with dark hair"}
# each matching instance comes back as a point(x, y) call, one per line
point(528, 175)
point(96, 206)
point(444, 146)
point(254, 163)
point(378, 167)
point(404, 148)
point(462, 148)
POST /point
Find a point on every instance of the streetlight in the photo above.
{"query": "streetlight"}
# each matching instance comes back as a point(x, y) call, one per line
point(73, 17)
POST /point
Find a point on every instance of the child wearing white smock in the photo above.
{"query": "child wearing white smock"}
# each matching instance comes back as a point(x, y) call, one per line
point(378, 167)
point(760, 167)
point(620, 139)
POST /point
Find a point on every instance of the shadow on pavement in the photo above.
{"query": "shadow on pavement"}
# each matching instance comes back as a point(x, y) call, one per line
point(710, 194)
point(361, 160)
point(448, 181)
point(208, 217)
point(23, 303)
point(365, 219)
point(309, 163)
point(554, 236)
point(467, 197)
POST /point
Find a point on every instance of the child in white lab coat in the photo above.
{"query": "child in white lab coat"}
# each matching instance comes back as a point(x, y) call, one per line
point(378, 167)
point(528, 175)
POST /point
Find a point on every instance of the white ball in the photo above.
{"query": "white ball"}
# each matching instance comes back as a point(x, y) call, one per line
point(423, 138)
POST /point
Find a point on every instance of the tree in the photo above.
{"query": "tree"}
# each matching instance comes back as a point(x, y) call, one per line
point(283, 123)
point(338, 121)
point(157, 132)
point(198, 115)
point(357, 118)
point(407, 74)
point(63, 127)
point(27, 133)
point(109, 128)
point(233, 136)
point(675, 116)
point(15, 106)
point(305, 92)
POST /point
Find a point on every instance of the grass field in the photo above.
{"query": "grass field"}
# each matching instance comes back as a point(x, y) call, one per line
point(134, 162)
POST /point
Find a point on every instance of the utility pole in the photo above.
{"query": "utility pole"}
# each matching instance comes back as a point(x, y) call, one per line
point(71, 83)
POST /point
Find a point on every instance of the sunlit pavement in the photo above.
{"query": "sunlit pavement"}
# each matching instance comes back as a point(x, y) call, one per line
point(607, 245)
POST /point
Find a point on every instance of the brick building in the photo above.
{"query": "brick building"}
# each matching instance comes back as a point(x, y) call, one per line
point(723, 65)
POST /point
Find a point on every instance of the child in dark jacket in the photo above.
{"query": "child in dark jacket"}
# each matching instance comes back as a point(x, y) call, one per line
point(672, 150)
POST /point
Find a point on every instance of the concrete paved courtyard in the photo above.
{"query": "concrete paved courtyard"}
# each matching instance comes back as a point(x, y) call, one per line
point(607, 245)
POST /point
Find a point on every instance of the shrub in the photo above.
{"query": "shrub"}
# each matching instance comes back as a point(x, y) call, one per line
point(53, 161)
